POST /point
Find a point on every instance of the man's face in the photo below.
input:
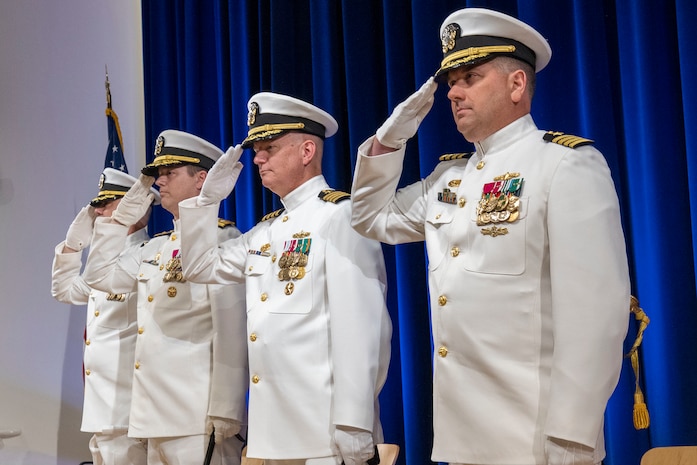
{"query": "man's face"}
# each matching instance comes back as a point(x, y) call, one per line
point(177, 184)
point(479, 98)
point(280, 162)
point(107, 208)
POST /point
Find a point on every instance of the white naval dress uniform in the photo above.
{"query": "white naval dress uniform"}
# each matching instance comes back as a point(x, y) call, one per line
point(319, 345)
point(528, 316)
point(191, 354)
point(108, 357)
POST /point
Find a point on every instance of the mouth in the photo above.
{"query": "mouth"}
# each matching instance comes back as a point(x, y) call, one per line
point(463, 113)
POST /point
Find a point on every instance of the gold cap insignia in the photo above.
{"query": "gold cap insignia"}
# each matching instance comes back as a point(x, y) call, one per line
point(252, 115)
point(102, 178)
point(159, 144)
point(450, 33)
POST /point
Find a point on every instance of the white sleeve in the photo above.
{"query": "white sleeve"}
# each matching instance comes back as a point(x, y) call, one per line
point(203, 259)
point(590, 295)
point(360, 328)
point(108, 269)
point(229, 378)
point(67, 285)
point(379, 210)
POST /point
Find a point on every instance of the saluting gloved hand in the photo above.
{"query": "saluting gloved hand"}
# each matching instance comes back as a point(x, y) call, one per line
point(221, 177)
point(562, 452)
point(407, 116)
point(134, 205)
point(354, 445)
point(224, 428)
point(79, 233)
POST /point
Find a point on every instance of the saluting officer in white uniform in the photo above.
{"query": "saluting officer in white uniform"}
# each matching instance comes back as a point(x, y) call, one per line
point(190, 369)
point(318, 327)
point(528, 273)
point(110, 332)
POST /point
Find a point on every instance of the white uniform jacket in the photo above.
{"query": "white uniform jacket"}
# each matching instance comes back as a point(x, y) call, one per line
point(109, 340)
point(529, 307)
point(191, 354)
point(318, 338)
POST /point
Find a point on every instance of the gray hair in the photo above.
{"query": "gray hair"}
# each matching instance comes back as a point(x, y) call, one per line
point(508, 65)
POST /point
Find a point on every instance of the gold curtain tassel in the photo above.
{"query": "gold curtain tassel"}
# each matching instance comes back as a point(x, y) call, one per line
point(641, 412)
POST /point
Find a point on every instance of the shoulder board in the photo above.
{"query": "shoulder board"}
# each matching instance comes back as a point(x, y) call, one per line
point(271, 215)
point(567, 140)
point(454, 156)
point(164, 233)
point(225, 223)
point(330, 195)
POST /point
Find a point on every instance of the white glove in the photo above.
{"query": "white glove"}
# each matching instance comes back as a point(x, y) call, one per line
point(223, 427)
point(562, 452)
point(407, 116)
point(353, 445)
point(79, 233)
point(221, 177)
point(134, 205)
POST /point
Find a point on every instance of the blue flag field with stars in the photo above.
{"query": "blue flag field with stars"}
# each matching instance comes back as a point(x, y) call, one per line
point(114, 152)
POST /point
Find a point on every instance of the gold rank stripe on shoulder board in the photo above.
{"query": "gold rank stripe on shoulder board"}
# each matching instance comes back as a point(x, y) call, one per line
point(567, 140)
point(329, 195)
point(222, 223)
point(272, 215)
point(454, 156)
point(116, 297)
point(164, 233)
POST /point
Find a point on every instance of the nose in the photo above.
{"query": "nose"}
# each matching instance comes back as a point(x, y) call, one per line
point(259, 158)
point(160, 180)
point(99, 211)
point(455, 94)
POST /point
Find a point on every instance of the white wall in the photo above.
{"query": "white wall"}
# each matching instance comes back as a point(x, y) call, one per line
point(52, 145)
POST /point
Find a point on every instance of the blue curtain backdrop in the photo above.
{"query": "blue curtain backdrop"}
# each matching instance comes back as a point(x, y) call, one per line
point(620, 74)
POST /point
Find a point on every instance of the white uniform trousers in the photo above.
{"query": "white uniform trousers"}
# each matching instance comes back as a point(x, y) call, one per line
point(117, 449)
point(332, 460)
point(191, 450)
point(599, 463)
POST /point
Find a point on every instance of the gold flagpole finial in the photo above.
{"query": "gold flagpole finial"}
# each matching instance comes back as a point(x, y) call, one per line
point(106, 86)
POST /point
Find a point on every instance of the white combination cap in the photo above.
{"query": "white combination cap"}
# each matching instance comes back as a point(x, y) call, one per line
point(474, 35)
point(272, 115)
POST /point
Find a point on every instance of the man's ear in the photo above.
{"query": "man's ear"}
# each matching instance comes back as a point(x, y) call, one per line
point(309, 149)
point(200, 177)
point(518, 82)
